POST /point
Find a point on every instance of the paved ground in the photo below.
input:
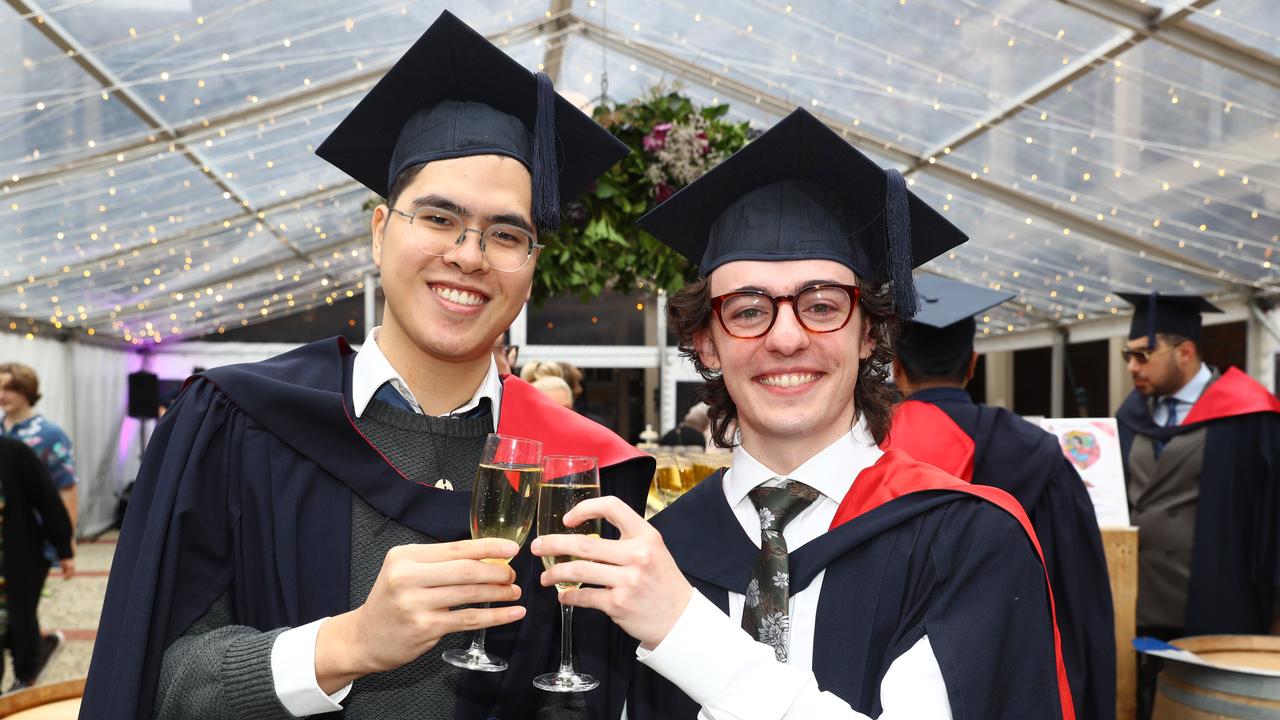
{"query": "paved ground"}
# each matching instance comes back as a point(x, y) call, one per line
point(73, 608)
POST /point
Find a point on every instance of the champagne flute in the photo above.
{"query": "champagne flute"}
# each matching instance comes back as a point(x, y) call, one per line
point(566, 481)
point(502, 506)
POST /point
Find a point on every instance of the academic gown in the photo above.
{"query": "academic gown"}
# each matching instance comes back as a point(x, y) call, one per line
point(1235, 560)
point(246, 490)
point(992, 446)
point(912, 551)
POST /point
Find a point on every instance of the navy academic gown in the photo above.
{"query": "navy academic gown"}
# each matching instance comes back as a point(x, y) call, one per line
point(992, 446)
point(901, 562)
point(1235, 559)
point(246, 490)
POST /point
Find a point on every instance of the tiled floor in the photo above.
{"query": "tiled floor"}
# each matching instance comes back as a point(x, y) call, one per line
point(73, 607)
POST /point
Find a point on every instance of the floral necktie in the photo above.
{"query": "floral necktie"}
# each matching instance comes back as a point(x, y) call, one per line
point(764, 615)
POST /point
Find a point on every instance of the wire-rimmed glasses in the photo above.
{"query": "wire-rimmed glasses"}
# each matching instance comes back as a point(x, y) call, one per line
point(820, 308)
point(437, 231)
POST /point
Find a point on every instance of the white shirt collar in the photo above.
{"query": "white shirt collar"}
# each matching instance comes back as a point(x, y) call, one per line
point(372, 370)
point(830, 472)
point(1194, 388)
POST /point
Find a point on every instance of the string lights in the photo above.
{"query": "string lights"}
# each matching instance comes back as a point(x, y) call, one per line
point(115, 226)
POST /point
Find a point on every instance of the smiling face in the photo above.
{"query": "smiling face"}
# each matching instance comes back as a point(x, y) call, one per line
point(451, 307)
point(790, 386)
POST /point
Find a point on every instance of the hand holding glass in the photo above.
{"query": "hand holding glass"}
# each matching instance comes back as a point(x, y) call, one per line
point(566, 481)
point(502, 506)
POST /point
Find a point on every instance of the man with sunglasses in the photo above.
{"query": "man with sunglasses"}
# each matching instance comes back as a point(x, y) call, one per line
point(1202, 462)
point(297, 542)
point(819, 577)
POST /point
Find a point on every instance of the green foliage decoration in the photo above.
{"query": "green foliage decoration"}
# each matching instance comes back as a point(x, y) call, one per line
point(598, 245)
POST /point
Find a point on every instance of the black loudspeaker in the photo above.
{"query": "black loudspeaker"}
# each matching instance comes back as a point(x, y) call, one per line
point(144, 395)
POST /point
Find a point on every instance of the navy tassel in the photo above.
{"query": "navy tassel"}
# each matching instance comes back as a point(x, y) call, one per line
point(1151, 320)
point(546, 170)
point(898, 233)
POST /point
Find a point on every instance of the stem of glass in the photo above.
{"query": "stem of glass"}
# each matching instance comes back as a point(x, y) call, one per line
point(477, 640)
point(566, 639)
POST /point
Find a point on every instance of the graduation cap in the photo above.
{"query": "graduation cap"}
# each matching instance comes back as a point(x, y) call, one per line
point(1172, 314)
point(801, 192)
point(940, 336)
point(454, 94)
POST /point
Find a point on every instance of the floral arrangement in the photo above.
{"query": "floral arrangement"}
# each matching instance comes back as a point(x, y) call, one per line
point(673, 142)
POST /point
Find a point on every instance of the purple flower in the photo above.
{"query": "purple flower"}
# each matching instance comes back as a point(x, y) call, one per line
point(656, 138)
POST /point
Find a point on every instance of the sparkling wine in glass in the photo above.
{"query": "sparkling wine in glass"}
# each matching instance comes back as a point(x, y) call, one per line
point(502, 506)
point(566, 481)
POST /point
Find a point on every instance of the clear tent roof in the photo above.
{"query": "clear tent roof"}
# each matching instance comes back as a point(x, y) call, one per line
point(159, 181)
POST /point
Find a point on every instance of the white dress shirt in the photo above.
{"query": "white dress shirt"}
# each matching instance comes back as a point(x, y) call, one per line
point(1186, 397)
point(293, 654)
point(733, 677)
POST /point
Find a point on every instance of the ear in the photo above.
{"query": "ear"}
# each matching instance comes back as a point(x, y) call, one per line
point(867, 344)
point(378, 227)
point(973, 367)
point(900, 377)
point(706, 347)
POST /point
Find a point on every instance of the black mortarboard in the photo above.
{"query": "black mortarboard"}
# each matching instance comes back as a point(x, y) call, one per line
point(1173, 314)
point(940, 336)
point(801, 192)
point(454, 94)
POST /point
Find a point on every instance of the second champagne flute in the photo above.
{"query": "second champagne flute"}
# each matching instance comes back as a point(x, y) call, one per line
point(566, 481)
point(502, 506)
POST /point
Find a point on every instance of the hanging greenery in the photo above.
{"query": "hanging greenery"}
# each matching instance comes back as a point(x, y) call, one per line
point(598, 245)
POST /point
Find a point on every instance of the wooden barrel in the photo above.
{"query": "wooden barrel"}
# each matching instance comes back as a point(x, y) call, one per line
point(59, 701)
point(1195, 692)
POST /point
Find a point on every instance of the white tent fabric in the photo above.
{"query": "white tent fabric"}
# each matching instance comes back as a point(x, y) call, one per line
point(158, 178)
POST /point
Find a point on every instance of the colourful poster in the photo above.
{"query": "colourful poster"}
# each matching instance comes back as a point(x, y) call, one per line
point(1093, 447)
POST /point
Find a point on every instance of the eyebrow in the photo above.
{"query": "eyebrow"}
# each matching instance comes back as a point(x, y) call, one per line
point(798, 288)
point(502, 218)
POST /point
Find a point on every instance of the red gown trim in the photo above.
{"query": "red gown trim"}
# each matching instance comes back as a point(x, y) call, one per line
point(896, 474)
point(1235, 393)
point(528, 412)
point(927, 433)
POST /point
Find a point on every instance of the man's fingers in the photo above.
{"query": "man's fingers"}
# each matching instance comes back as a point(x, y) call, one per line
point(587, 547)
point(587, 597)
point(581, 571)
point(610, 508)
point(404, 575)
point(476, 618)
point(455, 595)
point(460, 550)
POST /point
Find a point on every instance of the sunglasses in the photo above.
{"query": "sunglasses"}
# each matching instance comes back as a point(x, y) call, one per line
point(1143, 355)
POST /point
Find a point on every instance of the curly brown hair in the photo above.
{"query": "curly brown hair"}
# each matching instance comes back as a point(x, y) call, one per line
point(689, 311)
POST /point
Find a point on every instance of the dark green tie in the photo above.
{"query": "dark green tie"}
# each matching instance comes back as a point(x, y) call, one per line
point(764, 615)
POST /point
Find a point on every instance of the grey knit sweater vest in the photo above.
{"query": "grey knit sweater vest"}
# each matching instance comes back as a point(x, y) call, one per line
point(427, 449)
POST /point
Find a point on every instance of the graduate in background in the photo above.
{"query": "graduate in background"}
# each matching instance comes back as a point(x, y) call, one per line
point(297, 537)
point(940, 424)
point(1202, 462)
point(833, 580)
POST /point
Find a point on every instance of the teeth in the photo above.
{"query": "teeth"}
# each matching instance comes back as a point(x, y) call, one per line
point(788, 381)
point(461, 297)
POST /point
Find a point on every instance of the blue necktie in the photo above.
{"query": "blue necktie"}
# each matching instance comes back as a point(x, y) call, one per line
point(389, 395)
point(1170, 420)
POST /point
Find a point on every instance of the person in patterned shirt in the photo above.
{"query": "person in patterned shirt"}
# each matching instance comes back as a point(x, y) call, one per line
point(19, 393)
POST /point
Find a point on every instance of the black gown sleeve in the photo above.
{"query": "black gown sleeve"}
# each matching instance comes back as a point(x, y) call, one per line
point(988, 618)
point(1067, 528)
point(173, 556)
